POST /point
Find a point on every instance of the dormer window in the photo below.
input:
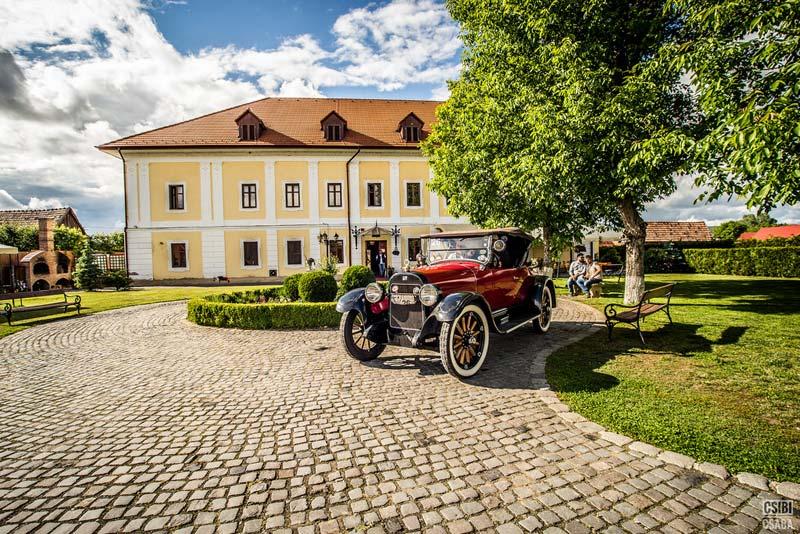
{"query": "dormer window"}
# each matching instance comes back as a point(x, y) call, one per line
point(333, 127)
point(250, 126)
point(410, 128)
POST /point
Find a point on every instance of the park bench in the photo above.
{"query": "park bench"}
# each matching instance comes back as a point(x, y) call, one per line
point(17, 306)
point(636, 313)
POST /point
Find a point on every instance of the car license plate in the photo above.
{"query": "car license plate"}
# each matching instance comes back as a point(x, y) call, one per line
point(403, 299)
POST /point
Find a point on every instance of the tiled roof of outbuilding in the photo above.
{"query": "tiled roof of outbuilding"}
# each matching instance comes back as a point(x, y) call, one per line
point(31, 217)
point(677, 231)
point(291, 122)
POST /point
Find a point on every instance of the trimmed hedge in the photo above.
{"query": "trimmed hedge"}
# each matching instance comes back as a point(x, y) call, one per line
point(317, 286)
point(354, 277)
point(280, 315)
point(781, 262)
point(252, 296)
point(290, 289)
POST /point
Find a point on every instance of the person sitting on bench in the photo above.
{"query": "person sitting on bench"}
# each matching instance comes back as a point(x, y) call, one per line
point(576, 270)
point(592, 276)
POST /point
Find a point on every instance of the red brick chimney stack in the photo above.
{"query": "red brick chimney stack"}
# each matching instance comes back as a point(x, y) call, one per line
point(46, 235)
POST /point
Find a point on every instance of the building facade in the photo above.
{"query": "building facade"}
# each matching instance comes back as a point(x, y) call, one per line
point(257, 191)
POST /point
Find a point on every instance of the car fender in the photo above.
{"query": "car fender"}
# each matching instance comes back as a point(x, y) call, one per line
point(353, 300)
point(450, 306)
point(540, 283)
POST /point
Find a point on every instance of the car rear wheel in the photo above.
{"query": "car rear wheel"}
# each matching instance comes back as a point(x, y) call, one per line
point(464, 343)
point(542, 324)
point(351, 330)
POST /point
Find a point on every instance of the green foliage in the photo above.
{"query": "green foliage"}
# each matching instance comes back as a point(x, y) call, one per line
point(119, 280)
point(267, 294)
point(793, 241)
point(317, 286)
point(744, 59)
point(290, 290)
point(666, 259)
point(612, 254)
point(782, 262)
point(68, 238)
point(87, 274)
point(108, 243)
point(288, 315)
point(354, 277)
point(729, 230)
point(329, 265)
point(25, 238)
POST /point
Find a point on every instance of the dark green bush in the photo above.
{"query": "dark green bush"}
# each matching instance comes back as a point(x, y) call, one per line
point(781, 262)
point(290, 289)
point(665, 259)
point(354, 277)
point(267, 294)
point(317, 286)
point(283, 315)
point(793, 241)
point(119, 280)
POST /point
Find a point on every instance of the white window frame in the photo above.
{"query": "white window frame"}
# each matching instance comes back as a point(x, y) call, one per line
point(366, 195)
point(258, 195)
point(421, 193)
point(328, 206)
point(241, 254)
point(408, 247)
point(299, 184)
point(167, 197)
point(185, 243)
point(286, 253)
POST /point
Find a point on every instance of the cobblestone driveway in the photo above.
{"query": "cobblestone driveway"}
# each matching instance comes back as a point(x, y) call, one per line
point(137, 420)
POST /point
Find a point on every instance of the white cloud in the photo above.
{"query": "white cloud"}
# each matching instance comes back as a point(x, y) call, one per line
point(8, 202)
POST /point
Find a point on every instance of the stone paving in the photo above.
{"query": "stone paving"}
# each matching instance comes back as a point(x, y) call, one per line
point(136, 420)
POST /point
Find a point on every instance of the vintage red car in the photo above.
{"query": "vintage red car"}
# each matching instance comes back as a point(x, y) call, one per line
point(472, 283)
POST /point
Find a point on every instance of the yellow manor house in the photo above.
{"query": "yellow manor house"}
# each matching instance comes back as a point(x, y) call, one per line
point(262, 189)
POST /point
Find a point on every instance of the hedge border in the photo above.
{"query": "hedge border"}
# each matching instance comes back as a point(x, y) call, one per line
point(779, 262)
point(263, 316)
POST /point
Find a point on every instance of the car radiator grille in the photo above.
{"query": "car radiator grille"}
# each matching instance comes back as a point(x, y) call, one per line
point(406, 316)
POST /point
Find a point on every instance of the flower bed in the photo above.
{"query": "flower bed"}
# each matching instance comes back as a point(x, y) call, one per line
point(261, 309)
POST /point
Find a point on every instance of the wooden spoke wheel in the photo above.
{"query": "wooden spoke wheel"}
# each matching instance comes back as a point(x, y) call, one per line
point(542, 324)
point(464, 343)
point(352, 331)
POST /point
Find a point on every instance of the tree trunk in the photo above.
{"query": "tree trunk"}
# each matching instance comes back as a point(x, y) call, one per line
point(634, 232)
point(546, 244)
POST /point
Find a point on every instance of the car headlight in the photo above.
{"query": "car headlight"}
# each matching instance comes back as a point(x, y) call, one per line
point(373, 292)
point(429, 294)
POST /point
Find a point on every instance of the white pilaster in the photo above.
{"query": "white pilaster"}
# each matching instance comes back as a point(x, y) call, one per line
point(313, 191)
point(433, 198)
point(132, 193)
point(206, 214)
point(216, 192)
point(355, 193)
point(315, 250)
point(140, 254)
point(272, 247)
point(144, 194)
point(213, 253)
point(394, 189)
point(269, 195)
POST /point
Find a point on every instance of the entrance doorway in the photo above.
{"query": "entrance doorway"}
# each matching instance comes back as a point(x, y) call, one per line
point(375, 251)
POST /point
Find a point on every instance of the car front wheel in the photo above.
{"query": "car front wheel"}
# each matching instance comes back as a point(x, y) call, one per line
point(542, 323)
point(354, 339)
point(464, 343)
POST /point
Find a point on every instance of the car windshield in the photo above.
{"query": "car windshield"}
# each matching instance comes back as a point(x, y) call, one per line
point(457, 248)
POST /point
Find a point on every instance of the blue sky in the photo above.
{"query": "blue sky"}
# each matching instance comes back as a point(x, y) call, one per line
point(92, 71)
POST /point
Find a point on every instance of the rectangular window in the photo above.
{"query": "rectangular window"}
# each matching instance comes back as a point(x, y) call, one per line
point(334, 132)
point(412, 134)
point(414, 194)
point(336, 248)
point(249, 196)
point(292, 195)
point(414, 248)
point(178, 256)
point(335, 195)
point(294, 252)
point(374, 195)
point(176, 197)
point(250, 256)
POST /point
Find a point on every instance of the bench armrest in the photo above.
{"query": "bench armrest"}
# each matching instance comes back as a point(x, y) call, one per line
point(610, 310)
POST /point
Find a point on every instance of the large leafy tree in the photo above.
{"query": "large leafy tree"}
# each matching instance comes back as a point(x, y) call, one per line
point(743, 57)
point(566, 114)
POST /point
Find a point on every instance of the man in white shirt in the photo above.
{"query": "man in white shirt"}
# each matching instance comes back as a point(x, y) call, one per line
point(576, 269)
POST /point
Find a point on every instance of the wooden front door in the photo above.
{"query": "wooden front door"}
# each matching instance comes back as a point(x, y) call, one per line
point(372, 248)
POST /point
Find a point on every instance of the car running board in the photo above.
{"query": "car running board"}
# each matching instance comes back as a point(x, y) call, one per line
point(504, 324)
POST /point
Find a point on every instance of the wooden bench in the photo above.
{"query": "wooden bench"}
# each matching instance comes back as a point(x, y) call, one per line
point(17, 306)
point(636, 313)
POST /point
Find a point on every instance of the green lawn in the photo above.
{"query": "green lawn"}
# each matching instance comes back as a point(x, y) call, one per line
point(722, 384)
point(96, 301)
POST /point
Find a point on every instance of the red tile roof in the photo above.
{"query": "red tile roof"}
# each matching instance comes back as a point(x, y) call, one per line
point(677, 232)
point(292, 122)
point(65, 216)
point(790, 230)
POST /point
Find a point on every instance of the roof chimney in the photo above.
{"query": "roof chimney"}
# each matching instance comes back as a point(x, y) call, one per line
point(46, 237)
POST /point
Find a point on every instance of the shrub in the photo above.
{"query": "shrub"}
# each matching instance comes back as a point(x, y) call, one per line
point(329, 264)
point(666, 259)
point(317, 286)
point(119, 280)
point(354, 277)
point(87, 273)
point(793, 241)
point(282, 315)
point(290, 289)
point(254, 296)
point(781, 262)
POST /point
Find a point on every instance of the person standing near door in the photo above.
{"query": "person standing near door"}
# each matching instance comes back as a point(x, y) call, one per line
point(382, 263)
